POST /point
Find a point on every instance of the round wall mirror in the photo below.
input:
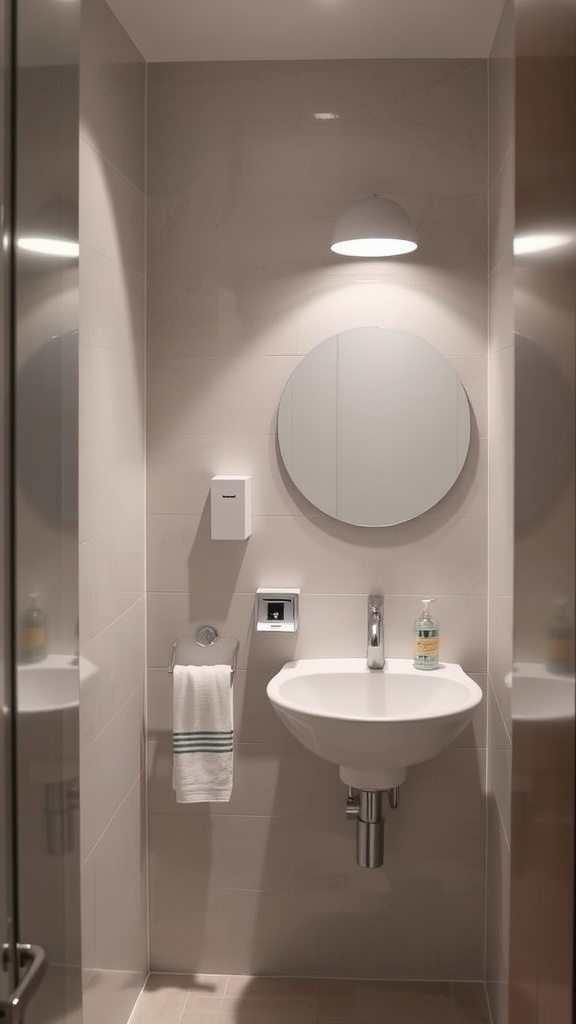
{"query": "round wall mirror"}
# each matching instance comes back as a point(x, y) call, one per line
point(374, 426)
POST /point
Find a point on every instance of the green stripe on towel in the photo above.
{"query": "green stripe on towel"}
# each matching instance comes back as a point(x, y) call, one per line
point(213, 732)
point(204, 741)
point(204, 750)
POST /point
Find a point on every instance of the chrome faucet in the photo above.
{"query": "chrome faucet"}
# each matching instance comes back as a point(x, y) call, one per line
point(375, 651)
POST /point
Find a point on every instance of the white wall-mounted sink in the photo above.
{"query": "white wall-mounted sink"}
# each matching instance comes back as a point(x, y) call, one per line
point(373, 724)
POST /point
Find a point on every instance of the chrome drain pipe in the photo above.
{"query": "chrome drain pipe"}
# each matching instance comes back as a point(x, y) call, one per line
point(365, 806)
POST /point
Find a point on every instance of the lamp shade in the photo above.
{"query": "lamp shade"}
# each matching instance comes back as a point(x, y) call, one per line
point(373, 226)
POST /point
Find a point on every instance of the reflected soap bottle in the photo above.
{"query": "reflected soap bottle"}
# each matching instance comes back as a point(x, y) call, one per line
point(426, 639)
point(34, 643)
point(560, 639)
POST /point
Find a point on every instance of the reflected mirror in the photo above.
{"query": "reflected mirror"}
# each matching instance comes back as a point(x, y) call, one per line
point(374, 426)
point(47, 429)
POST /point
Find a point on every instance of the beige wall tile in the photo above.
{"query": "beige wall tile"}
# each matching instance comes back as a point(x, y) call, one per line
point(498, 870)
point(501, 214)
point(118, 747)
point(441, 556)
point(113, 221)
point(500, 765)
point(273, 928)
point(112, 84)
point(255, 721)
point(501, 91)
point(500, 656)
point(501, 525)
point(453, 856)
point(216, 394)
point(180, 467)
point(501, 391)
point(116, 862)
point(113, 304)
point(241, 285)
point(501, 304)
point(268, 779)
point(462, 627)
point(235, 315)
point(184, 926)
point(231, 233)
point(501, 502)
point(470, 1003)
point(116, 656)
point(112, 495)
point(89, 951)
point(126, 947)
point(236, 852)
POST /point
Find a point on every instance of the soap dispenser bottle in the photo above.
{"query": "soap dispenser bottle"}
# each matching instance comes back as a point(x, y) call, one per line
point(33, 641)
point(426, 639)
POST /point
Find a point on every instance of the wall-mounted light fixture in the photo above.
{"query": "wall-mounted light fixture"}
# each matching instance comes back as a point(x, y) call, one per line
point(373, 226)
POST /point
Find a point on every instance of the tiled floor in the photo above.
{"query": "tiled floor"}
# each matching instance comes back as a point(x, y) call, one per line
point(222, 999)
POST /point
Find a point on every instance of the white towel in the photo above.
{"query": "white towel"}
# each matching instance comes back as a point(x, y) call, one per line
point(202, 733)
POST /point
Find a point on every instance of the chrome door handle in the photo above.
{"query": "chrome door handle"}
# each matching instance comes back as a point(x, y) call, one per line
point(13, 1008)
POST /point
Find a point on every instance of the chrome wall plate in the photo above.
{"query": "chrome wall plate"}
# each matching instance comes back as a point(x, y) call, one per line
point(277, 610)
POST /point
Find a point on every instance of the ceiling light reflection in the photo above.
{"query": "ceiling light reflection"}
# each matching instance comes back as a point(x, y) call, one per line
point(49, 246)
point(541, 241)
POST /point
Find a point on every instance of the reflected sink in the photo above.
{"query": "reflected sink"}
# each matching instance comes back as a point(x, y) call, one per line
point(373, 724)
point(47, 721)
point(539, 695)
point(50, 685)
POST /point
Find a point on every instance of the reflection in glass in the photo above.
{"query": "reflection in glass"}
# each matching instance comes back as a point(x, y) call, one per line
point(542, 704)
point(7, 976)
point(46, 417)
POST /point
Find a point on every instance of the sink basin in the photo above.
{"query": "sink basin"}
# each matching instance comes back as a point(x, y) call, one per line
point(373, 724)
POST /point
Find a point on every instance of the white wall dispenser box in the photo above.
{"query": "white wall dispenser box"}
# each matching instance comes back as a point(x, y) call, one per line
point(277, 610)
point(231, 507)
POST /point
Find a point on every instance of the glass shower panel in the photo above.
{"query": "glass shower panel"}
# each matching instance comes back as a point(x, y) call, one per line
point(543, 701)
point(7, 933)
point(46, 490)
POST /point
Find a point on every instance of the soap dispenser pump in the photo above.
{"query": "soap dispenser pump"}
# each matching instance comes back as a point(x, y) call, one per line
point(426, 639)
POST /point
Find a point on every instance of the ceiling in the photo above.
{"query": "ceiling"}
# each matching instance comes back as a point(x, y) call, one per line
point(194, 30)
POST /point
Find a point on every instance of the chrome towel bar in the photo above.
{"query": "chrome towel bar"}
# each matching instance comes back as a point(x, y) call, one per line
point(206, 648)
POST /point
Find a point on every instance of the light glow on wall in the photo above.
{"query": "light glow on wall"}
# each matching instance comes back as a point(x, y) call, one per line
point(49, 247)
point(541, 241)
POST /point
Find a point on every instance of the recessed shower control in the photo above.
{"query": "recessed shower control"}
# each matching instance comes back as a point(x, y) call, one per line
point(277, 610)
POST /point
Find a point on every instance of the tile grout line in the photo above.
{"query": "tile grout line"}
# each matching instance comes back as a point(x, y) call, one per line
point(220, 1015)
point(452, 1002)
